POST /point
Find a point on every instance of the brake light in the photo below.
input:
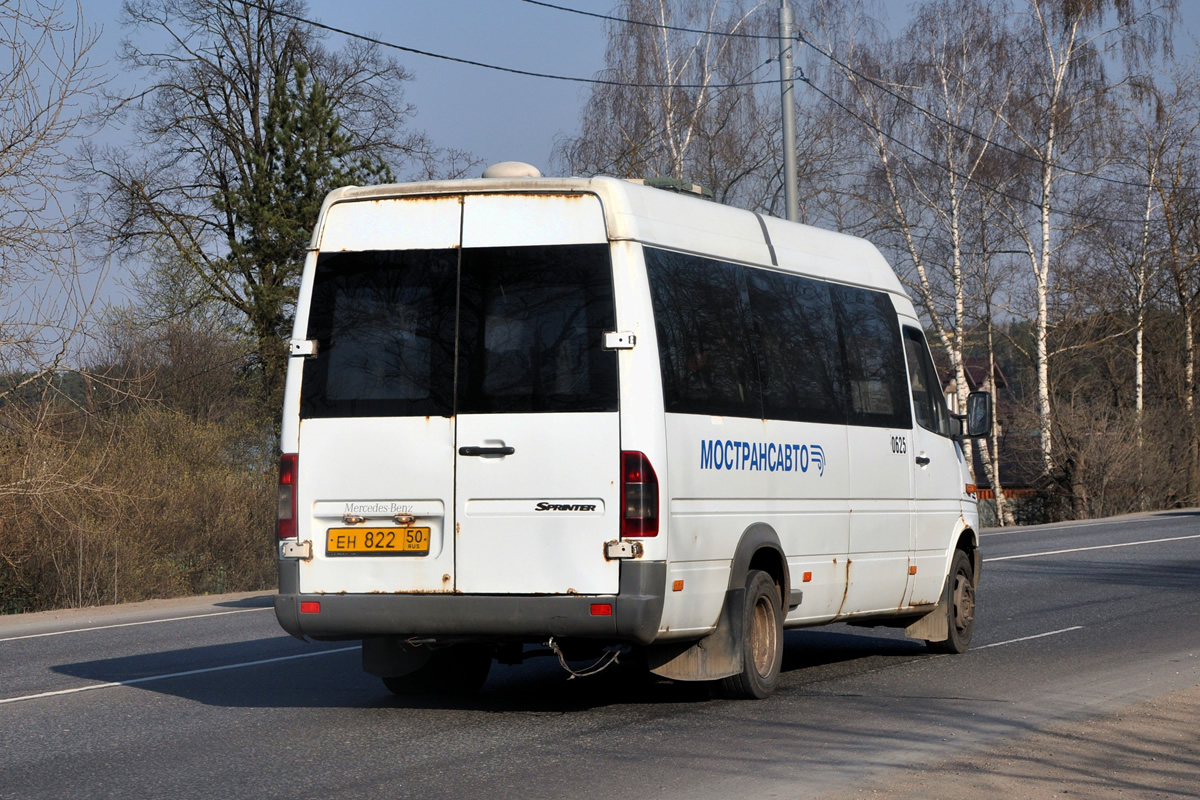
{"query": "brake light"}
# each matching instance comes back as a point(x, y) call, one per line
point(639, 496)
point(287, 496)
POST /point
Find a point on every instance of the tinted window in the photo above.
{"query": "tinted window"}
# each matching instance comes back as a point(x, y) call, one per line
point(745, 342)
point(929, 403)
point(530, 323)
point(384, 325)
point(532, 330)
point(875, 376)
point(799, 362)
point(704, 335)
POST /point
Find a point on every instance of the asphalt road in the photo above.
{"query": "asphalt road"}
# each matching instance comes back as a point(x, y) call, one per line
point(207, 698)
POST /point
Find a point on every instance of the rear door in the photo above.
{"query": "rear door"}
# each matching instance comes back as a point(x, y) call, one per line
point(376, 443)
point(460, 408)
point(538, 434)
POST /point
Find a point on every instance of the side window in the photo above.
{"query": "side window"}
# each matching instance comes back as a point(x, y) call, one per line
point(875, 376)
point(745, 342)
point(799, 363)
point(704, 330)
point(928, 401)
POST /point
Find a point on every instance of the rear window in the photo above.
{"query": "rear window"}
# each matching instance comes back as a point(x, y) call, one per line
point(527, 324)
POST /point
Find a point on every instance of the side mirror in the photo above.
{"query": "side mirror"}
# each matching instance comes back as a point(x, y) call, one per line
point(977, 422)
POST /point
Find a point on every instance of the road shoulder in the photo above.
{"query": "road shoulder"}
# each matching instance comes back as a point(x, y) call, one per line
point(15, 625)
point(1146, 750)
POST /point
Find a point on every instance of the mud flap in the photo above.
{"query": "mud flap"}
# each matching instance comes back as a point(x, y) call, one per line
point(934, 626)
point(717, 655)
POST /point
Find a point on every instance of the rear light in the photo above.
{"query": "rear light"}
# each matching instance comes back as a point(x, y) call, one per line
point(287, 496)
point(639, 496)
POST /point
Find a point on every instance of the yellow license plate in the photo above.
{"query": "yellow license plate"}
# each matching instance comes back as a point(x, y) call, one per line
point(377, 542)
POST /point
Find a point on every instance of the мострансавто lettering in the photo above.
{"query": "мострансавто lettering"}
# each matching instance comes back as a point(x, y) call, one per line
point(761, 456)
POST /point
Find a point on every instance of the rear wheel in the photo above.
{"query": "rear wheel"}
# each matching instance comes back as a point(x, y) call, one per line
point(762, 640)
point(960, 606)
point(457, 670)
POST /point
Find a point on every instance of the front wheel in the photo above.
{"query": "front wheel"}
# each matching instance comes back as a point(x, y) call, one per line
point(960, 606)
point(762, 640)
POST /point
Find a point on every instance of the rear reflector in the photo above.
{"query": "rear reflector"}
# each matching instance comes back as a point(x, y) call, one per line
point(639, 496)
point(288, 465)
point(601, 609)
point(310, 607)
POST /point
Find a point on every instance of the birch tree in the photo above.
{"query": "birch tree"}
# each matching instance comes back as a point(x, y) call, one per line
point(1174, 184)
point(683, 98)
point(1141, 241)
point(1059, 50)
point(926, 105)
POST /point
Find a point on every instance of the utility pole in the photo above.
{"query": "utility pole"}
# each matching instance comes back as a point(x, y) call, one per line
point(786, 70)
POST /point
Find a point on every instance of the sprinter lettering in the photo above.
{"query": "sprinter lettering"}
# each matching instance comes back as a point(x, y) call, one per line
point(544, 506)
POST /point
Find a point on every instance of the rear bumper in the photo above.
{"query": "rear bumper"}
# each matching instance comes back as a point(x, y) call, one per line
point(636, 611)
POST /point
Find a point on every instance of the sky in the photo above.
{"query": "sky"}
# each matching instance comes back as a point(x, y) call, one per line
point(495, 115)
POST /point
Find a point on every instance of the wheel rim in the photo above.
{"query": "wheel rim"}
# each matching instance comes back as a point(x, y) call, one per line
point(964, 601)
point(764, 637)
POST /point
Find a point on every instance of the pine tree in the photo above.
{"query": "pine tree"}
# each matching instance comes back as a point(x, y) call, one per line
point(304, 155)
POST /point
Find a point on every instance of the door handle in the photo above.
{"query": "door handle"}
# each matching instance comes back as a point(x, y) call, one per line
point(922, 460)
point(486, 451)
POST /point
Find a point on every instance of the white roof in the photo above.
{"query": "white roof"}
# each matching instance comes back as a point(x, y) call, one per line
point(675, 221)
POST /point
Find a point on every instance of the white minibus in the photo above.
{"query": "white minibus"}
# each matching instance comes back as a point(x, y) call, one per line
point(587, 416)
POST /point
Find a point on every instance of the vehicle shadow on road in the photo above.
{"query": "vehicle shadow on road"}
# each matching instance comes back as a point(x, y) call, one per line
point(258, 601)
point(285, 673)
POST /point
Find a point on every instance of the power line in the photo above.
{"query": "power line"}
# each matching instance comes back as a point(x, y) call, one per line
point(878, 83)
point(626, 84)
point(660, 26)
point(946, 168)
point(661, 137)
point(495, 67)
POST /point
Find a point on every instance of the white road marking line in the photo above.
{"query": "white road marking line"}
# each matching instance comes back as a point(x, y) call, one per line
point(1040, 528)
point(149, 678)
point(129, 624)
point(1027, 638)
point(1095, 547)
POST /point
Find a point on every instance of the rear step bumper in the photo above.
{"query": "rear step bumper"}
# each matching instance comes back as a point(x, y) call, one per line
point(636, 611)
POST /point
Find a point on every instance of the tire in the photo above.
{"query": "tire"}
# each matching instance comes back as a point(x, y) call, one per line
point(455, 671)
point(960, 606)
point(762, 640)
